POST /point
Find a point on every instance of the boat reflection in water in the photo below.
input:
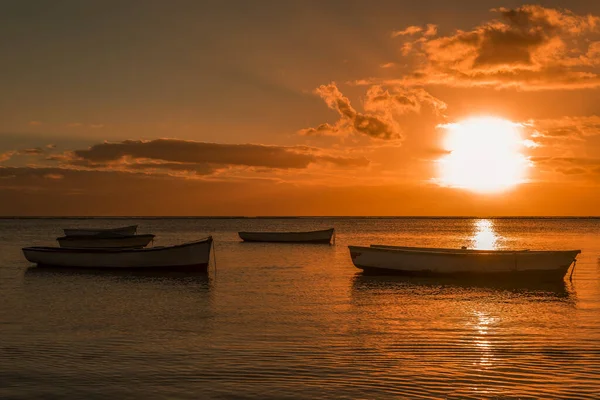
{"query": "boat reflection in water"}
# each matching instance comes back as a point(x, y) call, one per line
point(199, 279)
point(524, 289)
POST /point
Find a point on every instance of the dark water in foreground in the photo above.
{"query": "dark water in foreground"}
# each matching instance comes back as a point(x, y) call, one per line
point(299, 321)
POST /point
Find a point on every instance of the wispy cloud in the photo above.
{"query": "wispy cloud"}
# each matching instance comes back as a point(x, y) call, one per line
point(428, 30)
point(382, 106)
point(6, 155)
point(569, 128)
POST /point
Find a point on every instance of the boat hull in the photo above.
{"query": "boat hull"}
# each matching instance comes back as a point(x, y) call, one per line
point(323, 236)
point(125, 230)
point(195, 255)
point(105, 241)
point(463, 262)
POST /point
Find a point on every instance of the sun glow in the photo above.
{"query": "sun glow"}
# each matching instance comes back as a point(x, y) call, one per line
point(485, 155)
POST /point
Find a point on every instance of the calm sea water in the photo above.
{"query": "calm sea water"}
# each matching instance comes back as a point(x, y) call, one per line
point(300, 321)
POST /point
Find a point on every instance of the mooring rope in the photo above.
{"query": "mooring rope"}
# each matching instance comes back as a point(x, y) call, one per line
point(333, 237)
point(572, 270)
point(214, 253)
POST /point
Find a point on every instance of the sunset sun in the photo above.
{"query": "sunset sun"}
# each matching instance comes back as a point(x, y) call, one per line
point(484, 155)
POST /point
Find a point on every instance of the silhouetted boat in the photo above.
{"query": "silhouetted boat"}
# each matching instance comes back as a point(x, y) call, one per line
point(323, 236)
point(432, 261)
point(125, 230)
point(193, 255)
point(106, 240)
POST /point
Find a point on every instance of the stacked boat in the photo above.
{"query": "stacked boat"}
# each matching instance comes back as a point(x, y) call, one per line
point(115, 238)
point(119, 248)
point(462, 262)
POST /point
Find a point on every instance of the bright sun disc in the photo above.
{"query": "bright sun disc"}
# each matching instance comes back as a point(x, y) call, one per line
point(485, 155)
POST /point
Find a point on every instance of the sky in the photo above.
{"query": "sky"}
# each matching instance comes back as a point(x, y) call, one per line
point(465, 108)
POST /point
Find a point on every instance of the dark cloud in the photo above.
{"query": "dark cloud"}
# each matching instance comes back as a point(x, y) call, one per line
point(567, 127)
point(32, 151)
point(569, 166)
point(197, 152)
point(530, 47)
point(181, 155)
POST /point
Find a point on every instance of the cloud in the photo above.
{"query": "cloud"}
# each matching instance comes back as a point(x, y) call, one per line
point(32, 151)
point(567, 128)
point(429, 30)
point(530, 47)
point(400, 100)
point(81, 125)
point(409, 31)
point(380, 126)
point(570, 168)
point(6, 155)
point(382, 108)
point(54, 176)
point(201, 153)
point(197, 169)
point(36, 151)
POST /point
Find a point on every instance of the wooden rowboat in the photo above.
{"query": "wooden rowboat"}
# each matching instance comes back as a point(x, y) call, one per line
point(125, 230)
point(432, 261)
point(323, 236)
point(105, 240)
point(194, 256)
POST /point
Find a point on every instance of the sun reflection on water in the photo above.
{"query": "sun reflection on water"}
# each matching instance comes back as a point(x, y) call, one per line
point(485, 237)
point(482, 342)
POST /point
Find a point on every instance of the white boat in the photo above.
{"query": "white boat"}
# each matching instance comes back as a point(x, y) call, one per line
point(193, 255)
point(105, 240)
point(124, 230)
point(427, 261)
point(323, 236)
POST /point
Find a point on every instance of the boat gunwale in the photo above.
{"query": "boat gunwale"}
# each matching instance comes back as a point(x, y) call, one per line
point(120, 228)
point(104, 250)
point(199, 267)
point(100, 237)
point(287, 232)
point(459, 252)
point(448, 250)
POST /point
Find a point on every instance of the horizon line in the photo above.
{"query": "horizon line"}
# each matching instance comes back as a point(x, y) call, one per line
point(300, 217)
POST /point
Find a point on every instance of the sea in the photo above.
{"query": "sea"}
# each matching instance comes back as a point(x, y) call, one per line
point(299, 321)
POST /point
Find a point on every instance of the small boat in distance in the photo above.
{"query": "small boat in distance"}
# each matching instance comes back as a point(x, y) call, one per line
point(105, 240)
point(435, 261)
point(323, 236)
point(193, 256)
point(125, 230)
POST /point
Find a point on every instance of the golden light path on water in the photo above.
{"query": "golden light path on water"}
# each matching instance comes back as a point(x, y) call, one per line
point(301, 321)
point(485, 237)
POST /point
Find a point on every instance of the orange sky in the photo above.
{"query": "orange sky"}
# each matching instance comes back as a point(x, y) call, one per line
point(313, 108)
